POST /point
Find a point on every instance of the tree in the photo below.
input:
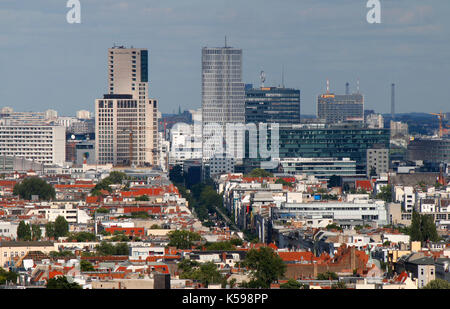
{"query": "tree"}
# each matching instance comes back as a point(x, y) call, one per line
point(102, 210)
point(259, 172)
point(86, 266)
point(182, 239)
point(206, 273)
point(121, 249)
point(23, 231)
point(34, 186)
point(437, 284)
point(105, 248)
point(116, 177)
point(385, 194)
point(62, 283)
point(327, 276)
point(266, 266)
point(142, 198)
point(339, 286)
point(429, 232)
point(284, 182)
point(422, 228)
point(61, 227)
point(291, 284)
point(36, 232)
point(81, 237)
point(50, 230)
point(7, 276)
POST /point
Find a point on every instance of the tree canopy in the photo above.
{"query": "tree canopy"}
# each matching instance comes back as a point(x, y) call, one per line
point(437, 284)
point(385, 194)
point(59, 228)
point(23, 231)
point(266, 266)
point(182, 239)
point(207, 273)
point(422, 228)
point(34, 186)
point(61, 283)
point(114, 177)
point(328, 275)
point(9, 276)
point(105, 248)
point(259, 172)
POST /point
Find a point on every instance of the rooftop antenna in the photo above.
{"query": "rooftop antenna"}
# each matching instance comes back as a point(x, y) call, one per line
point(393, 101)
point(357, 86)
point(282, 76)
point(225, 41)
point(262, 76)
point(347, 88)
point(328, 86)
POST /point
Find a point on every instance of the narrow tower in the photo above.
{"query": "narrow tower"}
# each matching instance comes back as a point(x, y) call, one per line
point(392, 101)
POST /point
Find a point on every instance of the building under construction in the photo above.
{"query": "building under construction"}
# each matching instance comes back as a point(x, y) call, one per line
point(429, 149)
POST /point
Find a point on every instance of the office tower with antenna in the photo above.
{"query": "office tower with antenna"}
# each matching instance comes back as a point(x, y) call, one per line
point(272, 104)
point(335, 108)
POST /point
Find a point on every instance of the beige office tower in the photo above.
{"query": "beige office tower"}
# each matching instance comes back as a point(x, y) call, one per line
point(126, 119)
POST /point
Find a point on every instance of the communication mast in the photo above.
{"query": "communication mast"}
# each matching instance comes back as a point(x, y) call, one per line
point(262, 78)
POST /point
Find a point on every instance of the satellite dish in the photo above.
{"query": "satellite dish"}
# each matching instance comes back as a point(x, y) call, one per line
point(263, 78)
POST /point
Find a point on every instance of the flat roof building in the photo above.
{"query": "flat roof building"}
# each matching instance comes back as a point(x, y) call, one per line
point(272, 104)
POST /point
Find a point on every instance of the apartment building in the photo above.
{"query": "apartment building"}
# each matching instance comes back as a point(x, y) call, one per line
point(35, 142)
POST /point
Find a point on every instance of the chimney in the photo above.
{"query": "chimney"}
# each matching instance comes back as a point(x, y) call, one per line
point(392, 101)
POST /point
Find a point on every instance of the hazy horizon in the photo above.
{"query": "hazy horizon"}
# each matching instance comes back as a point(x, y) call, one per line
point(47, 63)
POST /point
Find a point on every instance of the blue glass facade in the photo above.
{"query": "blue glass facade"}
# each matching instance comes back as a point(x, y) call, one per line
point(327, 141)
point(272, 105)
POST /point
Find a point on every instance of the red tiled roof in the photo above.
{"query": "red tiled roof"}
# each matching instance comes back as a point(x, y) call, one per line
point(80, 186)
point(296, 256)
point(364, 184)
point(92, 199)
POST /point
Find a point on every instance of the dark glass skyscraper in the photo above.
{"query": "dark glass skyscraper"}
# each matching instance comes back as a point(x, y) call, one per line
point(272, 105)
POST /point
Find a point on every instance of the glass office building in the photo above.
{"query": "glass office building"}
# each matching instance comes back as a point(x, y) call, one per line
point(223, 94)
point(272, 104)
point(325, 141)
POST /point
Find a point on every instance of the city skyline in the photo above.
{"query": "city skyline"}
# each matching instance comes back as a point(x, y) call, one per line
point(67, 66)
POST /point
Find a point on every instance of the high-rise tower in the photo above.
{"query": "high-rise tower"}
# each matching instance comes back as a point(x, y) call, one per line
point(126, 119)
point(223, 95)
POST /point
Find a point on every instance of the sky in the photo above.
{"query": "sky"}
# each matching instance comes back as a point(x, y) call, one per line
point(47, 63)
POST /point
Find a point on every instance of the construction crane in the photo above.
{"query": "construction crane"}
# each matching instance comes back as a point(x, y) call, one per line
point(130, 143)
point(442, 127)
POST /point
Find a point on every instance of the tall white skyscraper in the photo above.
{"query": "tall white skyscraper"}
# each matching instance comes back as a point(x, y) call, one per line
point(223, 97)
point(126, 119)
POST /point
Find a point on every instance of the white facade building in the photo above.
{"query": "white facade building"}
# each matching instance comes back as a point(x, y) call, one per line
point(71, 214)
point(8, 229)
point(185, 142)
point(39, 143)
